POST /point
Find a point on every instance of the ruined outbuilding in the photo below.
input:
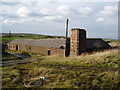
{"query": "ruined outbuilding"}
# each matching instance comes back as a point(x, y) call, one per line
point(77, 44)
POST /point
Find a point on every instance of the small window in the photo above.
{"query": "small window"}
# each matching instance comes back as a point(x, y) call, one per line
point(29, 48)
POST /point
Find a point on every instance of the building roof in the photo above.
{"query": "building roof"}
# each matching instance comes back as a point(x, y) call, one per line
point(51, 43)
point(77, 29)
point(96, 43)
point(57, 43)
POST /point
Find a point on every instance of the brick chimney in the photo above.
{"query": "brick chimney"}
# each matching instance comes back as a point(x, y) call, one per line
point(77, 42)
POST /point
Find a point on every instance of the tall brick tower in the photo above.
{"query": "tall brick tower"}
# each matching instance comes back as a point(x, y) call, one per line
point(77, 42)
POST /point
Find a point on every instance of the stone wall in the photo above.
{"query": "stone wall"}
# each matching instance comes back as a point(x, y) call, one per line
point(36, 49)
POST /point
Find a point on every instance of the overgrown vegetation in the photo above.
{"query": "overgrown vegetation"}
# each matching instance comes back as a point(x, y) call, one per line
point(99, 70)
point(9, 57)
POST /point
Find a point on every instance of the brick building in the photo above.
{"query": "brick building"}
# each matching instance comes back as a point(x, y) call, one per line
point(77, 44)
point(42, 46)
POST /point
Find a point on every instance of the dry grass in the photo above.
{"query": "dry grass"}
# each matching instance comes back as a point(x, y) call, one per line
point(99, 69)
point(114, 44)
point(100, 55)
point(99, 59)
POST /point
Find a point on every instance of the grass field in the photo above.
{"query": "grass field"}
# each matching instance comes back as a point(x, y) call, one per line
point(99, 70)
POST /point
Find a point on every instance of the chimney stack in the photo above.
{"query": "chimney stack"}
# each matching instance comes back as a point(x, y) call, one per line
point(77, 42)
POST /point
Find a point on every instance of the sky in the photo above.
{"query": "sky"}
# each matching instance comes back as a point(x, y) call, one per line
point(99, 19)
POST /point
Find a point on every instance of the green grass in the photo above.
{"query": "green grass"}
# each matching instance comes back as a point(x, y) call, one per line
point(9, 58)
point(111, 40)
point(100, 70)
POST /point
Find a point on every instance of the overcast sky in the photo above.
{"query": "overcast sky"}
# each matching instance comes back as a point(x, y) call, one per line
point(99, 19)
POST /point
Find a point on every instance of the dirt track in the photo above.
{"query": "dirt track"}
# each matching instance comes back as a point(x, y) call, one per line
point(20, 61)
point(24, 59)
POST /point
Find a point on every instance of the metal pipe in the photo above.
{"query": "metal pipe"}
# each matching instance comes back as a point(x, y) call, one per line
point(66, 43)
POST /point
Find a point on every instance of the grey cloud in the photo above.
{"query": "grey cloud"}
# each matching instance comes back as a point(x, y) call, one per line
point(59, 20)
point(10, 3)
point(8, 15)
point(29, 3)
point(35, 14)
point(70, 11)
point(52, 1)
point(39, 14)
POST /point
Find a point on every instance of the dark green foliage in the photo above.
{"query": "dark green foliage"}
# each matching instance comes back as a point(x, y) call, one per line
point(26, 54)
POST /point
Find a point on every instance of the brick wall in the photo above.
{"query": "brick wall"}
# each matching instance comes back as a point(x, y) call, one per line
point(74, 42)
point(36, 49)
point(77, 42)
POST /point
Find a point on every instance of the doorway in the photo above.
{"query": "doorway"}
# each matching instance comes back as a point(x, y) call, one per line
point(16, 47)
point(48, 52)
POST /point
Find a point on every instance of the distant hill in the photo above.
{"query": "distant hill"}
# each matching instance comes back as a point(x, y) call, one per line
point(7, 38)
point(28, 34)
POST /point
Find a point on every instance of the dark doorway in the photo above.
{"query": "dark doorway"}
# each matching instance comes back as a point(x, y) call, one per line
point(48, 51)
point(16, 47)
